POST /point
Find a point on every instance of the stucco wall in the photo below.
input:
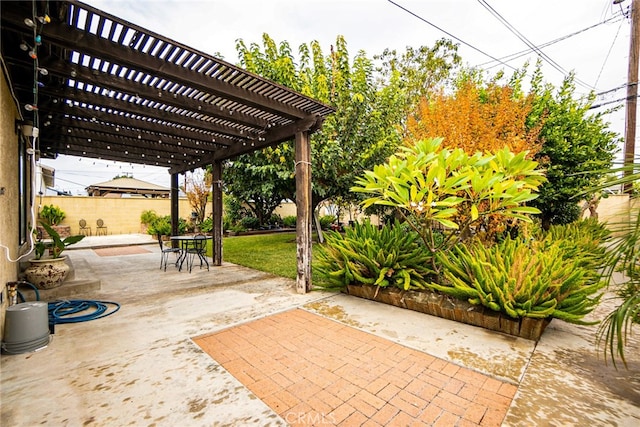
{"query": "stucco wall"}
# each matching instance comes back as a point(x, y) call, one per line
point(614, 208)
point(9, 233)
point(120, 215)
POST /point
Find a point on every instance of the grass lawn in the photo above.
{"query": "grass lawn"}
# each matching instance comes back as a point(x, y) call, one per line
point(273, 253)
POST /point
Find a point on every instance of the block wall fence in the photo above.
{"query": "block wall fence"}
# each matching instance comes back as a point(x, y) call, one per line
point(122, 215)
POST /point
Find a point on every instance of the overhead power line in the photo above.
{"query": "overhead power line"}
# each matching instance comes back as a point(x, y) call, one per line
point(602, 104)
point(531, 45)
point(449, 34)
point(522, 53)
point(609, 53)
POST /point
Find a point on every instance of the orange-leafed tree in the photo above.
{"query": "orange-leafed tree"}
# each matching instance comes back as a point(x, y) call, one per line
point(477, 117)
point(197, 187)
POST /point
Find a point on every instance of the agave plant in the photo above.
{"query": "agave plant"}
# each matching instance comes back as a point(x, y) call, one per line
point(387, 257)
point(537, 279)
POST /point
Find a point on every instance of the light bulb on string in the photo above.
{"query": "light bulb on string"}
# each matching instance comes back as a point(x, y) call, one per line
point(29, 23)
point(38, 39)
point(31, 107)
point(43, 19)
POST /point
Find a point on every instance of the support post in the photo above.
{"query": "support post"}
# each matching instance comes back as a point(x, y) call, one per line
point(216, 208)
point(174, 205)
point(303, 208)
point(632, 93)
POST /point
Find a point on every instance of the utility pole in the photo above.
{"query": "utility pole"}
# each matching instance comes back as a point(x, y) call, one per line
point(632, 92)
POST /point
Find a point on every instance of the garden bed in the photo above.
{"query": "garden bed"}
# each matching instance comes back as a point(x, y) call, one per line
point(446, 307)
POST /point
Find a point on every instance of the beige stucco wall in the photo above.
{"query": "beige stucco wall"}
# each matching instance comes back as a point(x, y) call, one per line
point(120, 215)
point(614, 208)
point(9, 232)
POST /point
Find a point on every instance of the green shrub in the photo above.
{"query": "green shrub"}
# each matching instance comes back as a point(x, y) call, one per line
point(537, 279)
point(275, 219)
point(207, 225)
point(250, 222)
point(183, 224)
point(289, 221)
point(52, 215)
point(367, 255)
point(161, 225)
point(326, 221)
point(147, 217)
point(227, 222)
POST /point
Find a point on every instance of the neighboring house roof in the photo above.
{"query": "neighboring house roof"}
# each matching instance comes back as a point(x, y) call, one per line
point(121, 186)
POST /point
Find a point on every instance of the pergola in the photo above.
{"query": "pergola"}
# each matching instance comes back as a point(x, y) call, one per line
point(97, 86)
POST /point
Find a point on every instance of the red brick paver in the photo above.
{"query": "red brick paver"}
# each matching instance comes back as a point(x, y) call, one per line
point(121, 250)
point(315, 371)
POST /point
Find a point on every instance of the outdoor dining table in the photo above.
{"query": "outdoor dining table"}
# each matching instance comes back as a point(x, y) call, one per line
point(185, 242)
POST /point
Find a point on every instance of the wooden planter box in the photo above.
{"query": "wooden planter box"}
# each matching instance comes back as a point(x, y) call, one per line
point(440, 305)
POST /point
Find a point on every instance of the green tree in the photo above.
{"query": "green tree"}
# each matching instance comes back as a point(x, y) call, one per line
point(577, 148)
point(413, 75)
point(258, 184)
point(363, 132)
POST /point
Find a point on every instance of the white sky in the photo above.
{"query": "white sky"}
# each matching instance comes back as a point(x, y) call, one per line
point(599, 56)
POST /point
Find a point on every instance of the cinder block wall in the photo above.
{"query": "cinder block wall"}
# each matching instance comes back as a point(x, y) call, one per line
point(120, 215)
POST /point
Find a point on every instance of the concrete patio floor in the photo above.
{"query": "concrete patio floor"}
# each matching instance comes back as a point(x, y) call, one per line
point(141, 366)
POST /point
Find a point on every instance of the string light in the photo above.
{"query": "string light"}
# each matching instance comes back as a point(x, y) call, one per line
point(44, 19)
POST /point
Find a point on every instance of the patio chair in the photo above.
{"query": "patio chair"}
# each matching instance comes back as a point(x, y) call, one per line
point(83, 228)
point(100, 227)
point(197, 248)
point(164, 252)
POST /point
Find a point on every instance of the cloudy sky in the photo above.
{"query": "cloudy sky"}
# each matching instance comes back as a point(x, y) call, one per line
point(588, 37)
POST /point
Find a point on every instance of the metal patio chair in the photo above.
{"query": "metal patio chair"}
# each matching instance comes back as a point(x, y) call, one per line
point(100, 228)
point(197, 248)
point(165, 251)
point(83, 228)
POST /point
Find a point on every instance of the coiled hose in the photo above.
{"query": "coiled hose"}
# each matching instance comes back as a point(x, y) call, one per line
point(68, 311)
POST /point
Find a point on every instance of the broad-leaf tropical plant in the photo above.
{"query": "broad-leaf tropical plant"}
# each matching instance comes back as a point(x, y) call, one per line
point(431, 187)
point(57, 244)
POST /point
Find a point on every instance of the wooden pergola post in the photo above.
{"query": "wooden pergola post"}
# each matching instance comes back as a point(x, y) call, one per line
point(303, 208)
point(174, 205)
point(216, 208)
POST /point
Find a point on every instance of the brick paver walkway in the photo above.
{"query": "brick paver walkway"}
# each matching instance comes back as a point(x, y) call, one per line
point(121, 250)
point(315, 371)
